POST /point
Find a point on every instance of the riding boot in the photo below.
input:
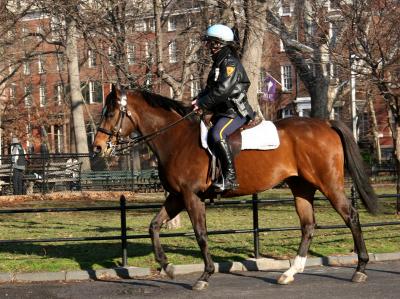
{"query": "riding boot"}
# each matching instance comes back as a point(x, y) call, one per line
point(228, 181)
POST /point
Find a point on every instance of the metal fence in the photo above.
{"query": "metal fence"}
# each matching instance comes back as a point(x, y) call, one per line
point(47, 173)
point(123, 237)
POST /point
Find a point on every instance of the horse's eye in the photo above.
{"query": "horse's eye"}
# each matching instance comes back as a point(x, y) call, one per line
point(110, 114)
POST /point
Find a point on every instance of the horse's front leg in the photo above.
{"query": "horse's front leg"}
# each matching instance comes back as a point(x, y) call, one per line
point(197, 213)
point(172, 206)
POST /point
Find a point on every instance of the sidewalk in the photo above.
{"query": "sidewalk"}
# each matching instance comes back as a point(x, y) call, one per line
point(263, 264)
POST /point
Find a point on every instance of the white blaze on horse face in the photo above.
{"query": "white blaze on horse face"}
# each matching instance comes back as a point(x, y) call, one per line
point(123, 102)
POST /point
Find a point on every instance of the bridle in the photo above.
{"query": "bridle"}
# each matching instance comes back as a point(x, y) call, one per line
point(116, 130)
point(127, 142)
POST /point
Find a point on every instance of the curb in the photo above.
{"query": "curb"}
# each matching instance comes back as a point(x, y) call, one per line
point(261, 264)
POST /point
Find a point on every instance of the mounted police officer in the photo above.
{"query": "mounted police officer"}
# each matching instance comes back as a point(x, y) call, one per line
point(226, 97)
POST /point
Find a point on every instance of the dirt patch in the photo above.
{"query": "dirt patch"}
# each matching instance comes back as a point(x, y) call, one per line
point(82, 196)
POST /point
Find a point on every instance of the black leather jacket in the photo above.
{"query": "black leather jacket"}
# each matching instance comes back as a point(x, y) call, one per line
point(227, 85)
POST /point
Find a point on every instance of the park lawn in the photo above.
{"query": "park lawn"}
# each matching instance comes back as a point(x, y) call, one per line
point(63, 256)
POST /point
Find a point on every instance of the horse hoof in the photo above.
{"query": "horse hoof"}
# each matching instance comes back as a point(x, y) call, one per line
point(284, 279)
point(169, 270)
point(359, 277)
point(200, 285)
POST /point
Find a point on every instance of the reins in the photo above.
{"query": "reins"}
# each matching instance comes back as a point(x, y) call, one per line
point(145, 138)
point(128, 142)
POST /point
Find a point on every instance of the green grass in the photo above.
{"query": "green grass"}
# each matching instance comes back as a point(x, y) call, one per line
point(180, 250)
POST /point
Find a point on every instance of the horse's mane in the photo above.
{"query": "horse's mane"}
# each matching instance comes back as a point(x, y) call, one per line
point(156, 100)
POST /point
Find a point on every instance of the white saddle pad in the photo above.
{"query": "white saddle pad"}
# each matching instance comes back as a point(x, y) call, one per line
point(264, 136)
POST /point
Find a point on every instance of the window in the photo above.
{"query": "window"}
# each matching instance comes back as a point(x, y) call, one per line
point(28, 96)
point(93, 92)
point(130, 53)
point(91, 58)
point(24, 33)
point(59, 93)
point(56, 28)
point(286, 75)
point(39, 31)
point(140, 26)
point(281, 46)
point(194, 87)
point(42, 95)
point(310, 30)
point(27, 68)
point(13, 92)
point(333, 5)
point(147, 51)
point(172, 52)
point(41, 69)
point(286, 112)
point(111, 55)
point(261, 81)
point(172, 24)
point(285, 8)
point(150, 24)
point(59, 139)
point(192, 44)
point(60, 62)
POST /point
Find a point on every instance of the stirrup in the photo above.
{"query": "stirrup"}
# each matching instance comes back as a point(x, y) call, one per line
point(222, 186)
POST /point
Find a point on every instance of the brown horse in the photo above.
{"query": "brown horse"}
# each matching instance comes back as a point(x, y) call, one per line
point(311, 157)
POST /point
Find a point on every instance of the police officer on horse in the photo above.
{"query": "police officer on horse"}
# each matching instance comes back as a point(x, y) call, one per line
point(226, 97)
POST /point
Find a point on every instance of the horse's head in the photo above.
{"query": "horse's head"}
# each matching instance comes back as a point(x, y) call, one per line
point(116, 123)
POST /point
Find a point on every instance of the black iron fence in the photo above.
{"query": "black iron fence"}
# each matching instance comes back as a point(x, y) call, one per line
point(45, 173)
point(123, 237)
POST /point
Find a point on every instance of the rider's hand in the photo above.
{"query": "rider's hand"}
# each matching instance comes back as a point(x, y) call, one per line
point(196, 107)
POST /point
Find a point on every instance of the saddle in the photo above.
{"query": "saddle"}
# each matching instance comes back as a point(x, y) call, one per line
point(235, 142)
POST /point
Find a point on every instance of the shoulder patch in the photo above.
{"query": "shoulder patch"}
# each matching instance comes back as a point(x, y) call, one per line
point(230, 70)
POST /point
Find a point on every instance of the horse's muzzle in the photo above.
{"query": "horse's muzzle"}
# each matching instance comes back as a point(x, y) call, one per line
point(97, 150)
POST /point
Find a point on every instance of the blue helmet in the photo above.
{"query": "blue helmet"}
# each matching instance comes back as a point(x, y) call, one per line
point(219, 33)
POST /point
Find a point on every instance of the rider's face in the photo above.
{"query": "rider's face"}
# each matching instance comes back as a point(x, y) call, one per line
point(213, 46)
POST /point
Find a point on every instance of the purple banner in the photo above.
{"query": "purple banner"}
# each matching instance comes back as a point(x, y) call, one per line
point(269, 90)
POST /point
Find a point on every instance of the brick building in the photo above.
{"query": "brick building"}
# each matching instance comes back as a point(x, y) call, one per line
point(38, 108)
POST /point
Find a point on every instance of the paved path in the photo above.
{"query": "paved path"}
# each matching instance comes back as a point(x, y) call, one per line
point(316, 282)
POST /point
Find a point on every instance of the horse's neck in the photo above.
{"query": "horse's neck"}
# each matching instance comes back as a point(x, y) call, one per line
point(170, 141)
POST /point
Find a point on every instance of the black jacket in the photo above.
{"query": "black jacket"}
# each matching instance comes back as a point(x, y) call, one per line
point(226, 82)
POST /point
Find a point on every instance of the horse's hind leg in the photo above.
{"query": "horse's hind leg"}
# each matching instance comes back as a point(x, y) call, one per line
point(304, 197)
point(350, 216)
point(172, 206)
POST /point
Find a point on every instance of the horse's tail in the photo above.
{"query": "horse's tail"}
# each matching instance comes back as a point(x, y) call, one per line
point(355, 166)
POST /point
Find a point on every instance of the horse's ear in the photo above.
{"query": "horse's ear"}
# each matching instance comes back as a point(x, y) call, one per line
point(113, 89)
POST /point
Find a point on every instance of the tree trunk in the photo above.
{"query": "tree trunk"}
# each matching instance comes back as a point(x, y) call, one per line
point(253, 46)
point(375, 131)
point(76, 94)
point(176, 86)
point(319, 98)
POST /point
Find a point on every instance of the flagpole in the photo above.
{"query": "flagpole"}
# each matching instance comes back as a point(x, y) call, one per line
point(273, 78)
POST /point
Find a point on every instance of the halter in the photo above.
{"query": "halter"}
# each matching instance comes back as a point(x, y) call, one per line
point(115, 132)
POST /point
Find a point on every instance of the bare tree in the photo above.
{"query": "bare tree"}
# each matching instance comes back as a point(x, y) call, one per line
point(373, 40)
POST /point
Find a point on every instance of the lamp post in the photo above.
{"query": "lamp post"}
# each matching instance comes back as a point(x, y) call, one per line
point(353, 73)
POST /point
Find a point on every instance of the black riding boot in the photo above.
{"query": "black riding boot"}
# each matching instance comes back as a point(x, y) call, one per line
point(224, 153)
